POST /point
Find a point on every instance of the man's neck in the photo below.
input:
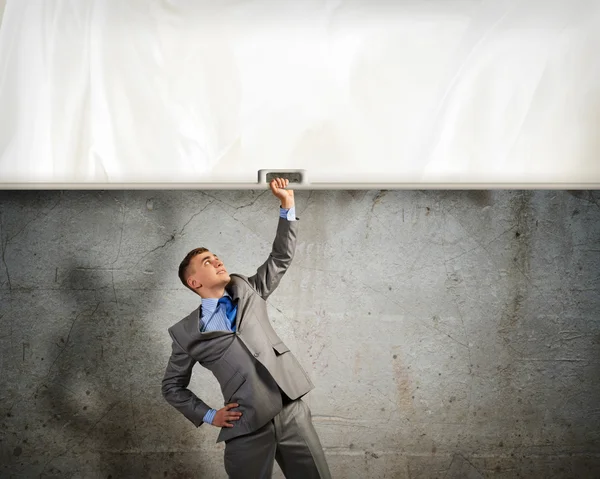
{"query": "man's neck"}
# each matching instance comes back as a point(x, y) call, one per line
point(215, 293)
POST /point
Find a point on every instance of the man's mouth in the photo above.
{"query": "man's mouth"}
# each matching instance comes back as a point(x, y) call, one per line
point(222, 272)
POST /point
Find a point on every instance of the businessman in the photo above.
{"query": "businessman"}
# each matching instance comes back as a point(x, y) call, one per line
point(263, 418)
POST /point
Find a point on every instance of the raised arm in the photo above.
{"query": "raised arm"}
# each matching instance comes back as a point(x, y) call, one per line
point(269, 274)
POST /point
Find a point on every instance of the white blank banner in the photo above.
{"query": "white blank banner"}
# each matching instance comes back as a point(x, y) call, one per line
point(113, 92)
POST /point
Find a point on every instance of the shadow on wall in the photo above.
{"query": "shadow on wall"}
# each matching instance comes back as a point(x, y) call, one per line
point(111, 407)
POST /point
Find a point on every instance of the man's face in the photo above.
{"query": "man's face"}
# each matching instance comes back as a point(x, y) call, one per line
point(208, 271)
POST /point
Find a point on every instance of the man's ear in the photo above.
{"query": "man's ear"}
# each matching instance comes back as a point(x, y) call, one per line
point(192, 283)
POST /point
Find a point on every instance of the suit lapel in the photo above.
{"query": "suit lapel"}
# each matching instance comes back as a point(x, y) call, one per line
point(191, 326)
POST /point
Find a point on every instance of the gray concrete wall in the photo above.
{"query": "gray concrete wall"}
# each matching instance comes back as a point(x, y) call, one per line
point(449, 334)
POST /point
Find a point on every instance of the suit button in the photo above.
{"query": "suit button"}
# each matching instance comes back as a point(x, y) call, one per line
point(255, 355)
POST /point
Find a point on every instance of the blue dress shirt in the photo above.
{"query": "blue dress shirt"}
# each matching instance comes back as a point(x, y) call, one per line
point(214, 317)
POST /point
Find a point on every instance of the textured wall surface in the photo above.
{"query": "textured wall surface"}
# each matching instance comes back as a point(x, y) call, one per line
point(450, 334)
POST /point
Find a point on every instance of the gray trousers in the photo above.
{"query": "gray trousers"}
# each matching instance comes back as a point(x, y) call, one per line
point(289, 438)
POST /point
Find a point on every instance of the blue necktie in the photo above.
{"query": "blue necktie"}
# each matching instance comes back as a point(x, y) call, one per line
point(230, 310)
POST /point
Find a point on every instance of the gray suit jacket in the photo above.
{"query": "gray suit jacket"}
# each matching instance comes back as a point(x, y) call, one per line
point(250, 364)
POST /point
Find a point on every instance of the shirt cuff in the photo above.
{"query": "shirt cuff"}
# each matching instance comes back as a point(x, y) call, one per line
point(288, 213)
point(209, 416)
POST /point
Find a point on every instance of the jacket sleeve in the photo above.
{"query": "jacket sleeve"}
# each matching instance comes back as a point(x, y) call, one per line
point(269, 274)
point(174, 385)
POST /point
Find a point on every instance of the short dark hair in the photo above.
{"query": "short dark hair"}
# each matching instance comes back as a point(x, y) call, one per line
point(185, 264)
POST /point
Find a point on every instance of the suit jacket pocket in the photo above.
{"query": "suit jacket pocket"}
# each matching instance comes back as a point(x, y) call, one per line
point(280, 348)
point(232, 385)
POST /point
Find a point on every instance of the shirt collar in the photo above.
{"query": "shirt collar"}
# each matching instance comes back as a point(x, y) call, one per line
point(210, 304)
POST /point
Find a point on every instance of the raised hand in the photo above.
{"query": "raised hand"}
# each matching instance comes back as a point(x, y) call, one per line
point(286, 197)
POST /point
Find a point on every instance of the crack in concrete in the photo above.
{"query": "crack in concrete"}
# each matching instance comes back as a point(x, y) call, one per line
point(122, 228)
point(470, 365)
point(372, 215)
point(8, 239)
point(123, 208)
point(381, 393)
point(69, 336)
point(454, 456)
point(417, 257)
point(454, 339)
point(386, 397)
point(96, 268)
point(318, 355)
point(35, 219)
point(321, 270)
point(170, 240)
point(378, 197)
point(9, 335)
point(384, 225)
point(387, 298)
point(131, 405)
point(4, 245)
point(174, 236)
point(569, 360)
point(112, 276)
point(243, 224)
point(487, 244)
point(193, 216)
point(529, 280)
point(242, 206)
point(291, 321)
point(23, 289)
point(336, 418)
point(42, 383)
point(307, 203)
point(590, 199)
point(470, 235)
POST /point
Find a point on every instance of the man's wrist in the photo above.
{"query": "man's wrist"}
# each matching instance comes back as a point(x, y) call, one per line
point(288, 213)
point(210, 416)
point(287, 204)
